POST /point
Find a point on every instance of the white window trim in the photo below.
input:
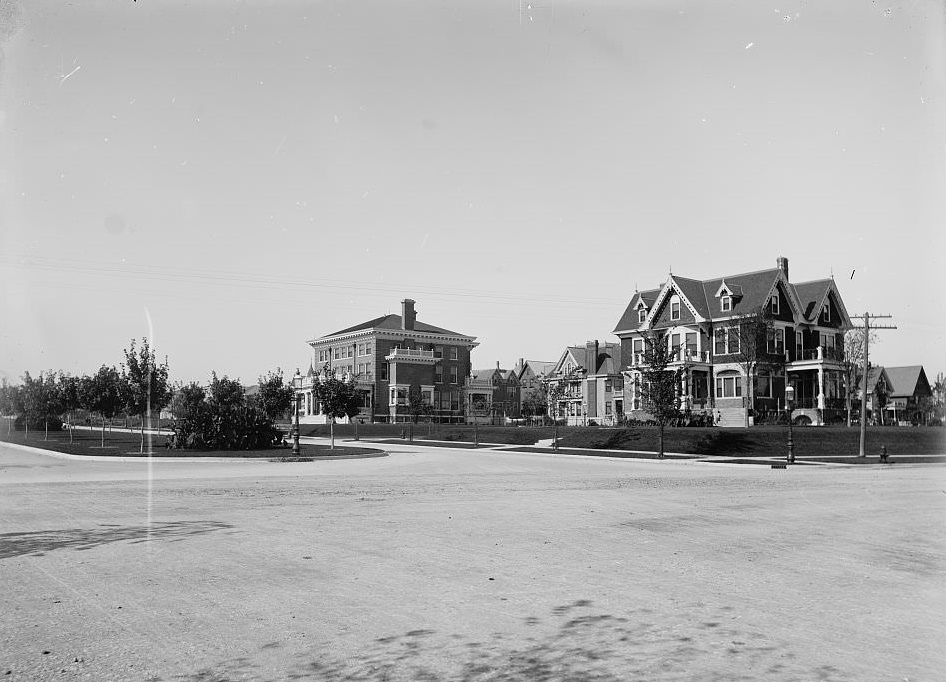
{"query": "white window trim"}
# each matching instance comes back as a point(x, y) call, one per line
point(725, 303)
point(774, 303)
point(675, 299)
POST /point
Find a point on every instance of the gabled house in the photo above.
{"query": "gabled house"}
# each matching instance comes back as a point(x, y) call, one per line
point(389, 357)
point(700, 319)
point(493, 395)
point(532, 376)
point(898, 395)
point(591, 384)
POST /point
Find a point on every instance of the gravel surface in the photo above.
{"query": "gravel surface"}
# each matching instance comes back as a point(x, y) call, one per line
point(447, 564)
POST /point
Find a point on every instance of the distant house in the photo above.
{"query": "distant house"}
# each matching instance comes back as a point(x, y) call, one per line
point(700, 320)
point(532, 375)
point(899, 395)
point(493, 395)
point(592, 386)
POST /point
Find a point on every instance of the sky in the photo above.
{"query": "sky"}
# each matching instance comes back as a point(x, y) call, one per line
point(232, 179)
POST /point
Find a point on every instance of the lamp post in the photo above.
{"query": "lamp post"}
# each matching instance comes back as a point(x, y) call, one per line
point(297, 385)
point(789, 400)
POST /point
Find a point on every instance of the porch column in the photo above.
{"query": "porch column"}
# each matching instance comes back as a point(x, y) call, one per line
point(820, 388)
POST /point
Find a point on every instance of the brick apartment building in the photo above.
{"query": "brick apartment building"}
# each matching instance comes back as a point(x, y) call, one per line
point(390, 357)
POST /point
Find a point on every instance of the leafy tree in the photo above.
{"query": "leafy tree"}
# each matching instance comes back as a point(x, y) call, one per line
point(660, 385)
point(144, 384)
point(275, 395)
point(535, 400)
point(187, 400)
point(69, 397)
point(417, 406)
point(336, 397)
point(50, 401)
point(104, 394)
point(753, 331)
point(8, 399)
point(880, 400)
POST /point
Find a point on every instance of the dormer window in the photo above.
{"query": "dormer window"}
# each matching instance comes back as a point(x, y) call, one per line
point(725, 303)
point(675, 308)
point(641, 315)
point(774, 304)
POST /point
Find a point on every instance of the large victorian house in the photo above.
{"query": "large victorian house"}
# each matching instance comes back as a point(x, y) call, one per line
point(701, 319)
point(390, 357)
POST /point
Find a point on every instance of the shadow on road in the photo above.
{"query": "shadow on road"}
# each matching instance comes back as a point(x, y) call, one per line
point(37, 543)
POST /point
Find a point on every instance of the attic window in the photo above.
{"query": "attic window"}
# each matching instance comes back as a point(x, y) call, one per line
point(641, 315)
point(725, 303)
point(675, 308)
point(774, 304)
point(826, 312)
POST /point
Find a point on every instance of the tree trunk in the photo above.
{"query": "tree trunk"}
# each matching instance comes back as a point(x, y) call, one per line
point(46, 426)
point(26, 422)
point(71, 423)
point(103, 429)
point(750, 385)
point(660, 441)
point(331, 429)
point(141, 432)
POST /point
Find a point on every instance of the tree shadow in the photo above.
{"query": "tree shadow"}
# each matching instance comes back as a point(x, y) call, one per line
point(37, 543)
point(724, 442)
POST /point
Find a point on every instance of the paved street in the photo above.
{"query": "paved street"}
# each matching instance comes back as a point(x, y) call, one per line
point(442, 564)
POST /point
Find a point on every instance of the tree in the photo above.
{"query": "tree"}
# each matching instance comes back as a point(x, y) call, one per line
point(660, 385)
point(69, 397)
point(853, 364)
point(50, 401)
point(275, 396)
point(144, 384)
point(37, 401)
point(105, 394)
point(939, 396)
point(336, 397)
point(754, 332)
point(417, 406)
point(535, 401)
point(8, 399)
point(187, 400)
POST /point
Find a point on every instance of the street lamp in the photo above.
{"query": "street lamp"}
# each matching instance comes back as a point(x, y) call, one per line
point(297, 385)
point(789, 400)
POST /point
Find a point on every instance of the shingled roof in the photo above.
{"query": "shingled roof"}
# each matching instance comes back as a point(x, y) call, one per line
point(391, 322)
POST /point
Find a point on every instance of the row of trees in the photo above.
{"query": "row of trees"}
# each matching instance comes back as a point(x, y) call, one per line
point(139, 388)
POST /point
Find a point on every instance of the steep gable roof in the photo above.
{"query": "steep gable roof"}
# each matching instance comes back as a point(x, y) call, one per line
point(750, 292)
point(629, 320)
point(907, 381)
point(812, 296)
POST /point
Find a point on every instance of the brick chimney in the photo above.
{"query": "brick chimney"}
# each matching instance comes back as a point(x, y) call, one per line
point(408, 316)
point(782, 262)
point(591, 356)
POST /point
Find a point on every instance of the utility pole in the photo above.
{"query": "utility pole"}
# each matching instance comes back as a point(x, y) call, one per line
point(867, 327)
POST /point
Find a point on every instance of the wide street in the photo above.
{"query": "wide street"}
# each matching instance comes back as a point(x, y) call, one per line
point(442, 564)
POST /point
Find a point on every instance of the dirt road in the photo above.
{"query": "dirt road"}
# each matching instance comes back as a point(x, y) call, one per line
point(436, 564)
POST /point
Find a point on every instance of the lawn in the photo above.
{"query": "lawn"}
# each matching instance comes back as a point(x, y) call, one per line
point(124, 444)
point(836, 442)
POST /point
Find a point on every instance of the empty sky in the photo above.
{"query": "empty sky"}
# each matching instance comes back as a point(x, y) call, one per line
point(234, 178)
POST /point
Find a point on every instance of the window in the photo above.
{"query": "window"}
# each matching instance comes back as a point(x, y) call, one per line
point(437, 399)
point(733, 334)
point(608, 386)
point(438, 351)
point(361, 368)
point(775, 341)
point(455, 400)
point(725, 303)
point(641, 315)
point(774, 303)
point(691, 344)
point(638, 350)
point(453, 375)
point(763, 386)
point(799, 345)
point(729, 387)
point(438, 374)
point(425, 397)
point(826, 311)
point(607, 408)
point(367, 349)
point(675, 308)
point(337, 353)
point(384, 371)
point(719, 346)
point(361, 349)
point(674, 345)
point(453, 353)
